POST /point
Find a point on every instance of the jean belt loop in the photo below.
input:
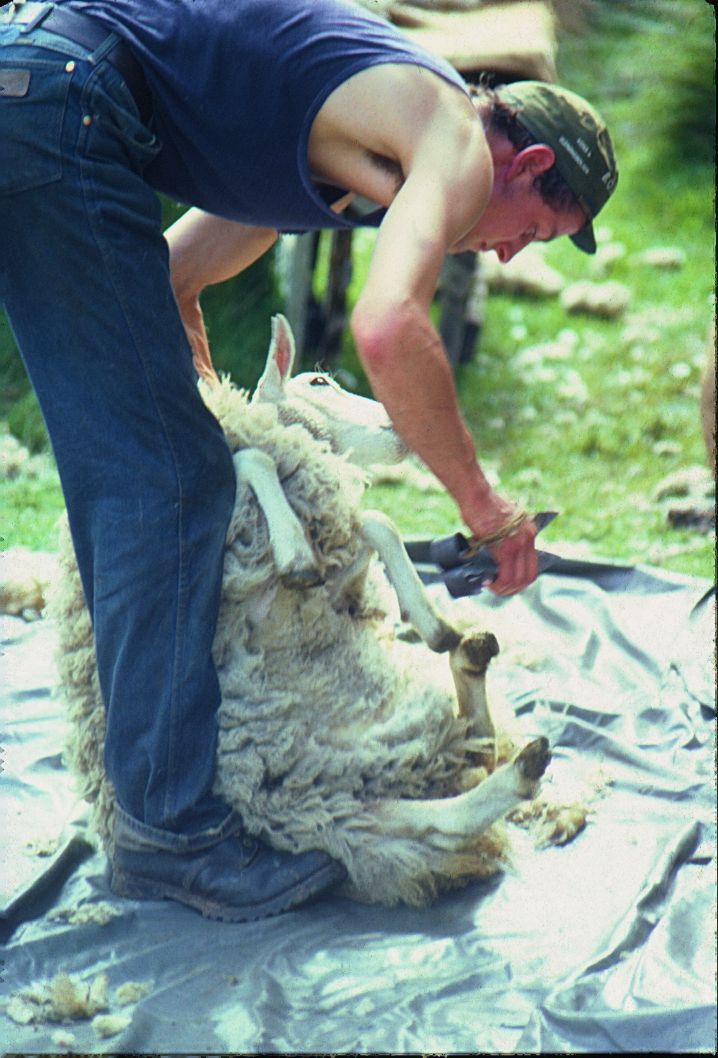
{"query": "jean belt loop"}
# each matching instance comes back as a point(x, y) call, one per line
point(43, 10)
point(108, 45)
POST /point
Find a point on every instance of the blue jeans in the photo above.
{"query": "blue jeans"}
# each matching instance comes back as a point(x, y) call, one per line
point(146, 473)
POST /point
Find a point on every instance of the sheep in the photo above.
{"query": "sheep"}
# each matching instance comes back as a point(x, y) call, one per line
point(335, 732)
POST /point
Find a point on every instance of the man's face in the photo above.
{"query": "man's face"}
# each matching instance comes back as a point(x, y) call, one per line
point(516, 215)
point(516, 218)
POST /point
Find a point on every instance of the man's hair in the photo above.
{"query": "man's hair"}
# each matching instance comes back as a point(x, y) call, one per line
point(502, 119)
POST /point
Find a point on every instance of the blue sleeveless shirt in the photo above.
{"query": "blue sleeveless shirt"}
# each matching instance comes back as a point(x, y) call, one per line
point(236, 86)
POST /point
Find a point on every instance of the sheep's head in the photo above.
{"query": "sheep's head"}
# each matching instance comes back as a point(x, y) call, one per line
point(354, 426)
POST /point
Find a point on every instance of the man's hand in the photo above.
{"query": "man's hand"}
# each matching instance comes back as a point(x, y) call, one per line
point(196, 332)
point(515, 554)
point(204, 250)
point(517, 559)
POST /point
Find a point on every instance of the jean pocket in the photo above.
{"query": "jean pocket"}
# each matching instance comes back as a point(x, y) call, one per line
point(33, 103)
point(116, 126)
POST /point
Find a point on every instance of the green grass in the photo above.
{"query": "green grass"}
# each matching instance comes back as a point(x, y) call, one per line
point(32, 508)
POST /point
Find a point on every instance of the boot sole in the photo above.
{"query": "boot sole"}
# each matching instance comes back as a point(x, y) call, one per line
point(134, 888)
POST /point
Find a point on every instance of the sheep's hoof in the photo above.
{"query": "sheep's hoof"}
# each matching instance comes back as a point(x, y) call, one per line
point(533, 760)
point(475, 651)
point(301, 579)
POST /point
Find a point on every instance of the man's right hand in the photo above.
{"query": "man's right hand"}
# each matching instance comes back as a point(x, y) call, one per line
point(516, 553)
point(517, 560)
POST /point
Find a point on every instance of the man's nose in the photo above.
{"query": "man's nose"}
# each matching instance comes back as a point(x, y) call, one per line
point(506, 250)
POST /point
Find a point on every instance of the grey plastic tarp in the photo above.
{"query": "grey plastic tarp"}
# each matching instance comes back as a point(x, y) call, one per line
point(605, 944)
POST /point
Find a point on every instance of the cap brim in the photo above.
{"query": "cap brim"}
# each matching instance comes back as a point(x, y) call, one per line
point(585, 239)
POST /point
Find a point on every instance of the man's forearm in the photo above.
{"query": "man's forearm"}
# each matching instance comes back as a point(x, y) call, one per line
point(205, 249)
point(409, 373)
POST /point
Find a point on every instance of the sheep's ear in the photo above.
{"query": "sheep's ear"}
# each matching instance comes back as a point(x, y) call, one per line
point(280, 360)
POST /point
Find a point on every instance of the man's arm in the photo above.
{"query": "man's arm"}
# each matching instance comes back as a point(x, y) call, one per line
point(204, 250)
point(448, 182)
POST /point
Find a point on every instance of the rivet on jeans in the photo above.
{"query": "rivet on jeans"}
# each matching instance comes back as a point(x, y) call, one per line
point(69, 66)
point(87, 120)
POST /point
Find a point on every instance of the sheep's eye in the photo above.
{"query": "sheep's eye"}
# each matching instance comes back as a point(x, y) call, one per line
point(319, 380)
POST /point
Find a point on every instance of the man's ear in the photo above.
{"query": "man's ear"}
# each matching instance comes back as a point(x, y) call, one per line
point(531, 161)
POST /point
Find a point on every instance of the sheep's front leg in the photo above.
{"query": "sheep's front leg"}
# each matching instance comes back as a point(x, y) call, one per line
point(469, 662)
point(382, 535)
point(447, 823)
point(293, 556)
point(470, 653)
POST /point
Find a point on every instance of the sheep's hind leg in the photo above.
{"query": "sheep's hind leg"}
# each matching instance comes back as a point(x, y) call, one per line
point(449, 822)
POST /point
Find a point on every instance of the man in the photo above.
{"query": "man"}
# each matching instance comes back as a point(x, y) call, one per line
point(265, 116)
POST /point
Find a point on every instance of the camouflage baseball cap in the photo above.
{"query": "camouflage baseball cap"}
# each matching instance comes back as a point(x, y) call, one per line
point(578, 137)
